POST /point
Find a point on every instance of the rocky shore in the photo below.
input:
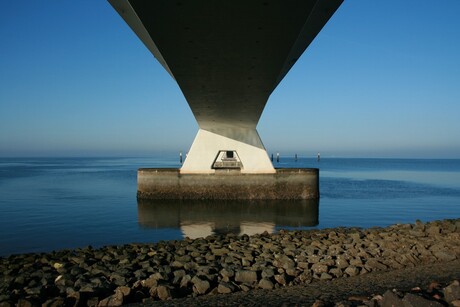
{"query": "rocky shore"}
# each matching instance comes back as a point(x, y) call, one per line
point(147, 273)
point(425, 286)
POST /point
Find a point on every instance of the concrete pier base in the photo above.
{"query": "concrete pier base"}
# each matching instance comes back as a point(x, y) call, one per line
point(227, 184)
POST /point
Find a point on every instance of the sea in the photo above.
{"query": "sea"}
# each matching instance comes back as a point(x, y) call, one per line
point(51, 204)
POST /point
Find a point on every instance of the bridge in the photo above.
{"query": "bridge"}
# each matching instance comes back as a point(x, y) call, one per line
point(227, 58)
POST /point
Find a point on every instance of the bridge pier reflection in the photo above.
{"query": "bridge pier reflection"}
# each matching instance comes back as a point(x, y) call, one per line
point(200, 218)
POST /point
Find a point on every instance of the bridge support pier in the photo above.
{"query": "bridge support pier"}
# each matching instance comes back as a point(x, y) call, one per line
point(245, 143)
point(227, 58)
point(172, 184)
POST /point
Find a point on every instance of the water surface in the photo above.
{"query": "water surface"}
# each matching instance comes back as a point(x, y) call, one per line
point(55, 203)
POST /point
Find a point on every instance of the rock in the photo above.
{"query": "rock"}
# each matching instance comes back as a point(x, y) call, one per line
point(148, 301)
point(177, 264)
point(356, 262)
point(179, 273)
point(352, 270)
point(318, 303)
point(437, 246)
point(393, 263)
point(190, 266)
point(220, 251)
point(319, 268)
point(357, 298)
point(161, 275)
point(64, 280)
point(281, 279)
point(225, 287)
point(163, 292)
point(267, 273)
point(113, 300)
point(92, 302)
point(377, 298)
point(245, 262)
point(445, 255)
point(314, 258)
point(413, 300)
point(336, 272)
point(210, 257)
point(433, 286)
point(54, 302)
point(302, 265)
point(265, 283)
point(185, 281)
point(389, 299)
point(213, 291)
point(325, 276)
point(305, 277)
point(245, 276)
point(373, 264)
point(364, 271)
point(164, 271)
point(356, 236)
point(121, 281)
point(452, 291)
point(292, 272)
point(200, 286)
point(341, 263)
point(75, 298)
point(184, 258)
point(26, 302)
point(36, 291)
point(227, 273)
point(457, 225)
point(125, 291)
point(150, 282)
point(433, 230)
point(153, 291)
point(244, 288)
point(419, 225)
point(283, 261)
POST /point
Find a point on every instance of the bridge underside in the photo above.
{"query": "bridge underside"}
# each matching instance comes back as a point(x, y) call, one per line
point(227, 58)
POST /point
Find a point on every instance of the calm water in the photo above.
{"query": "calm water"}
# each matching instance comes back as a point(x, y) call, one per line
point(55, 203)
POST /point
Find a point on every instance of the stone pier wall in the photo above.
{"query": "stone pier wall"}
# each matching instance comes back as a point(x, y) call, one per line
point(171, 184)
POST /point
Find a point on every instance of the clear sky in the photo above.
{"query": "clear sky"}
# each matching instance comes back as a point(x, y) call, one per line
point(382, 79)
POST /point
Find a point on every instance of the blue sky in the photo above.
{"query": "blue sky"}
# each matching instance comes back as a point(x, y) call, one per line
point(382, 79)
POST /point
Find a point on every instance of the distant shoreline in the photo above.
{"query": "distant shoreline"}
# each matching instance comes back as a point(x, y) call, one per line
point(175, 156)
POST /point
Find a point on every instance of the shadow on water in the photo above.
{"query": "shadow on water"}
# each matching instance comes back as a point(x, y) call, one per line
point(200, 218)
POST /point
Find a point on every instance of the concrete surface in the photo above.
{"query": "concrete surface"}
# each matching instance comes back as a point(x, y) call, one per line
point(246, 142)
point(226, 184)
